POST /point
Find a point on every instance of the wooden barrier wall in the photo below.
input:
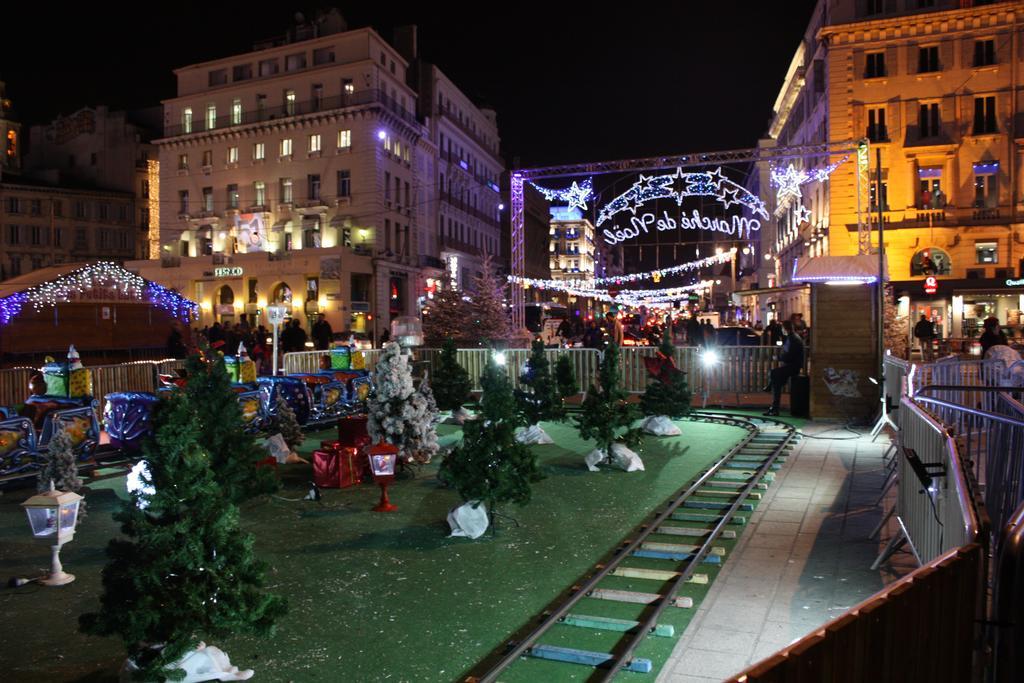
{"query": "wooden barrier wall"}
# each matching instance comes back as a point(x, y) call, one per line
point(843, 338)
point(921, 628)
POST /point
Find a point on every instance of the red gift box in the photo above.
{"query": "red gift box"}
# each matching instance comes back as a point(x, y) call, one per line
point(338, 469)
point(270, 462)
point(352, 431)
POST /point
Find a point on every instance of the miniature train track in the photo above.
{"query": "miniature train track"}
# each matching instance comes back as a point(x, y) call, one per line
point(711, 502)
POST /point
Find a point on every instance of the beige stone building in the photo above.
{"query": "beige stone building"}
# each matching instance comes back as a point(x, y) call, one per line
point(934, 87)
point(307, 172)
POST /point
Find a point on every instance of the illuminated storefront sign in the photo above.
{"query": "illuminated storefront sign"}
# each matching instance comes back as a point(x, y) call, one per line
point(931, 285)
point(234, 271)
point(1015, 283)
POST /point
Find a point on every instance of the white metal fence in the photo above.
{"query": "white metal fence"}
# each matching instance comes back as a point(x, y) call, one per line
point(737, 369)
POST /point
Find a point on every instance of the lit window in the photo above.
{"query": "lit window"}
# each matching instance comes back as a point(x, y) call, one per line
point(211, 116)
point(289, 102)
point(314, 142)
point(286, 190)
point(182, 162)
point(236, 112)
point(286, 147)
point(344, 139)
point(186, 119)
point(986, 185)
point(260, 190)
point(232, 155)
point(259, 151)
point(986, 252)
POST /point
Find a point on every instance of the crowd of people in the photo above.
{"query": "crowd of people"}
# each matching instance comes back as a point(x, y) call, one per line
point(255, 338)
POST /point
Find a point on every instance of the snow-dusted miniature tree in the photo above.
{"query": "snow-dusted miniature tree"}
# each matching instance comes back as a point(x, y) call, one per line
point(286, 424)
point(397, 413)
point(538, 399)
point(488, 314)
point(61, 469)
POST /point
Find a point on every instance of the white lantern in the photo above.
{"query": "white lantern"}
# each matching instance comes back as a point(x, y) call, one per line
point(52, 516)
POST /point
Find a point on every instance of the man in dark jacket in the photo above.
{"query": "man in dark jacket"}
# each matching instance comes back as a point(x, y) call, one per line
point(924, 332)
point(322, 333)
point(792, 361)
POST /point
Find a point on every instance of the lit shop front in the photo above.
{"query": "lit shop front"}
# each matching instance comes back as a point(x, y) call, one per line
point(958, 307)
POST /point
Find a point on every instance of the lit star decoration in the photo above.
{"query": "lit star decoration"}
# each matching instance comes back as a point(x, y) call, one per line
point(576, 195)
point(679, 185)
point(592, 283)
point(790, 179)
point(104, 274)
point(803, 214)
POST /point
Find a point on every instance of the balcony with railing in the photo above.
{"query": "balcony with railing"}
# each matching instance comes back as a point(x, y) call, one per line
point(360, 98)
point(473, 135)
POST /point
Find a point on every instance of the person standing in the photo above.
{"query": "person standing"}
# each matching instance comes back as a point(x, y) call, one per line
point(694, 335)
point(708, 331)
point(614, 327)
point(992, 335)
point(792, 361)
point(924, 331)
point(322, 333)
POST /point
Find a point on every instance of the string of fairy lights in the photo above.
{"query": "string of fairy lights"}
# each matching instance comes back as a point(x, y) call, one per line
point(654, 275)
point(101, 275)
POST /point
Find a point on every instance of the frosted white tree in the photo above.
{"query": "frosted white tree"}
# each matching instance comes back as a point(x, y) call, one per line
point(397, 412)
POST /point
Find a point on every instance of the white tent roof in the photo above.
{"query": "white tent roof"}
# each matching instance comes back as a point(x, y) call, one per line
point(838, 269)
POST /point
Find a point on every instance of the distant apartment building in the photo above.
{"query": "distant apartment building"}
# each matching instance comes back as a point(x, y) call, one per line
point(103, 150)
point(43, 223)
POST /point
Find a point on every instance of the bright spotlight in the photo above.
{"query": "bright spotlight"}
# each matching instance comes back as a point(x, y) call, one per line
point(381, 135)
point(709, 358)
point(499, 357)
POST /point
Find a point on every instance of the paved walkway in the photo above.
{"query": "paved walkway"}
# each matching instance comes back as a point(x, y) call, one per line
point(803, 560)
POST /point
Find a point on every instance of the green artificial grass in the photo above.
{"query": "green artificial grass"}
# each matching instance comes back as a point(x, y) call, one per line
point(375, 596)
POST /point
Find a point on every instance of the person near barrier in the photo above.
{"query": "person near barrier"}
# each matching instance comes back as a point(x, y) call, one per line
point(792, 361)
point(992, 336)
point(924, 331)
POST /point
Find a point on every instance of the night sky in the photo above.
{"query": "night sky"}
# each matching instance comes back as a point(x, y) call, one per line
point(569, 83)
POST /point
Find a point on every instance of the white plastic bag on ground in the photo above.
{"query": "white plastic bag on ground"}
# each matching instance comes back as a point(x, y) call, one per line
point(277, 447)
point(593, 458)
point(661, 425)
point(626, 459)
point(534, 434)
point(205, 663)
point(466, 520)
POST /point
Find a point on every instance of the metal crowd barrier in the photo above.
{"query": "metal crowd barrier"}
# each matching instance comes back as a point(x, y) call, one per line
point(949, 512)
point(298, 362)
point(1008, 602)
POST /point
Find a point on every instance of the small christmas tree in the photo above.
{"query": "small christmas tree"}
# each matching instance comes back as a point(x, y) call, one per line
point(488, 315)
point(186, 571)
point(446, 318)
point(451, 381)
point(490, 466)
point(286, 424)
point(606, 415)
point(61, 468)
point(565, 377)
point(894, 327)
point(667, 393)
point(233, 452)
point(542, 401)
point(397, 413)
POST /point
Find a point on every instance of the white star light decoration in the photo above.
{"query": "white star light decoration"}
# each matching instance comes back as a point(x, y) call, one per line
point(678, 186)
point(803, 214)
point(575, 195)
point(789, 180)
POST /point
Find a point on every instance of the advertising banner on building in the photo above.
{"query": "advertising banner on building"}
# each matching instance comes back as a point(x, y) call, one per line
point(250, 231)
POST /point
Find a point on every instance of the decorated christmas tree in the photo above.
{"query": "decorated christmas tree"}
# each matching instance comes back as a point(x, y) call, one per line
point(667, 396)
point(233, 452)
point(490, 466)
point(446, 318)
point(565, 377)
point(451, 383)
point(539, 400)
point(488, 314)
point(286, 424)
point(184, 571)
point(606, 416)
point(61, 468)
point(398, 414)
point(894, 327)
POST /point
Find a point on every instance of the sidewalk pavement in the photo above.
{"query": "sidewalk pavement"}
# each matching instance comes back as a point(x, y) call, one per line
point(803, 560)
